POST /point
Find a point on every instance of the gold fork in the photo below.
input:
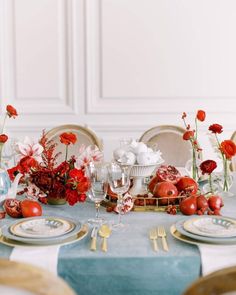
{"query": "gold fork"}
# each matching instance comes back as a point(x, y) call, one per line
point(162, 234)
point(153, 236)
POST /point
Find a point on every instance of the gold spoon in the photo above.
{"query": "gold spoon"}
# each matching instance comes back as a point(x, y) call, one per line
point(104, 232)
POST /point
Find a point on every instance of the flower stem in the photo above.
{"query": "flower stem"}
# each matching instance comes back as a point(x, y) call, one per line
point(66, 152)
point(194, 165)
point(210, 183)
point(3, 124)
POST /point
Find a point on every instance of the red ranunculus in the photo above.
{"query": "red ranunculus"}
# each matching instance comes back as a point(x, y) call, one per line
point(72, 196)
point(188, 135)
point(76, 174)
point(228, 148)
point(208, 166)
point(3, 138)
point(83, 185)
point(26, 164)
point(11, 111)
point(62, 169)
point(68, 138)
point(216, 128)
point(201, 115)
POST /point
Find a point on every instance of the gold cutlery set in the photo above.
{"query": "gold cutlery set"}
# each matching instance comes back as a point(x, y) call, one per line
point(156, 233)
point(104, 232)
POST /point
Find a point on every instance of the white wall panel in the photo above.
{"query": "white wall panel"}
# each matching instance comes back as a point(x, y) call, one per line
point(118, 66)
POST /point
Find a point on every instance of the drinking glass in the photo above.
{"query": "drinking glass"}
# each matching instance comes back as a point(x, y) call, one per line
point(119, 181)
point(98, 177)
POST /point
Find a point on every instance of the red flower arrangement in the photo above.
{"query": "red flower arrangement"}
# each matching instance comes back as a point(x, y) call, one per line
point(10, 112)
point(191, 135)
point(227, 149)
point(46, 180)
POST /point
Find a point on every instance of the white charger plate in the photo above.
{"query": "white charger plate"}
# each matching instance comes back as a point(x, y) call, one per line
point(179, 225)
point(66, 241)
point(47, 240)
point(43, 227)
point(211, 226)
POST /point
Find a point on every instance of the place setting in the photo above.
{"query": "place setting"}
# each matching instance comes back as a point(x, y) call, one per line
point(215, 230)
point(43, 231)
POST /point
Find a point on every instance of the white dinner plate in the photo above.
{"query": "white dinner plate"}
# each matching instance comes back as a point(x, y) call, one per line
point(43, 227)
point(211, 226)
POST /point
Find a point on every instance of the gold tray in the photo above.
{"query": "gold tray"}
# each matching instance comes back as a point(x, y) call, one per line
point(79, 236)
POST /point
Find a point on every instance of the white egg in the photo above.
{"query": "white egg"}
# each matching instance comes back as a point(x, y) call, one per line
point(128, 158)
point(118, 153)
point(140, 148)
point(145, 158)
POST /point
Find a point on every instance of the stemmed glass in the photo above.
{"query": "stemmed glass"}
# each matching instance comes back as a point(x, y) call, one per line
point(98, 177)
point(119, 181)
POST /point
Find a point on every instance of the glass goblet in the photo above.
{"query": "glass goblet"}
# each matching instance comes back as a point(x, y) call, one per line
point(119, 181)
point(98, 177)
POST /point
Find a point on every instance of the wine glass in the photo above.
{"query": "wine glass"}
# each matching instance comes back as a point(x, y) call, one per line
point(98, 177)
point(119, 181)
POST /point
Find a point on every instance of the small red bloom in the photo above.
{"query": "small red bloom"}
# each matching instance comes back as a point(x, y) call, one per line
point(12, 172)
point(216, 128)
point(188, 135)
point(3, 138)
point(184, 115)
point(11, 111)
point(62, 169)
point(72, 196)
point(208, 166)
point(26, 164)
point(201, 115)
point(76, 174)
point(82, 198)
point(228, 148)
point(83, 185)
point(68, 138)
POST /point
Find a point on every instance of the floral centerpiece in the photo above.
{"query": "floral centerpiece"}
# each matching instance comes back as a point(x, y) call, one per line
point(48, 181)
point(192, 136)
point(227, 150)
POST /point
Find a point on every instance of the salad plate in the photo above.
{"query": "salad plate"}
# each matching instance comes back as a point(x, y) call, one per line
point(43, 227)
point(211, 226)
point(212, 240)
point(69, 240)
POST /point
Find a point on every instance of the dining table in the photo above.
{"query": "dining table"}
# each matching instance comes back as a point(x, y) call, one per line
point(130, 265)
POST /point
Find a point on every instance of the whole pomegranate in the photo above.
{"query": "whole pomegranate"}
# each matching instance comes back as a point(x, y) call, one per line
point(152, 184)
point(189, 205)
point(215, 202)
point(166, 191)
point(187, 185)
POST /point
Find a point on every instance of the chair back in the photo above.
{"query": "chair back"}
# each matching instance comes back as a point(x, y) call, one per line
point(20, 276)
point(169, 140)
point(218, 283)
point(85, 136)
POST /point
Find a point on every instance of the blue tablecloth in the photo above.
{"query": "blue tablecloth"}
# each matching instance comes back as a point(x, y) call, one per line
point(130, 266)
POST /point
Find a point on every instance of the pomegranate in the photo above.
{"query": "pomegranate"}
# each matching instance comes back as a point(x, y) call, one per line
point(187, 185)
point(13, 208)
point(152, 184)
point(166, 191)
point(215, 202)
point(202, 202)
point(168, 173)
point(189, 205)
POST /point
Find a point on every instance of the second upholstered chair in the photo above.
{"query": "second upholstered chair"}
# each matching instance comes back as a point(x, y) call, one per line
point(169, 140)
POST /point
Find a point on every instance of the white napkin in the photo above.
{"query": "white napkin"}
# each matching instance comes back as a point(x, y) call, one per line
point(216, 257)
point(44, 257)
